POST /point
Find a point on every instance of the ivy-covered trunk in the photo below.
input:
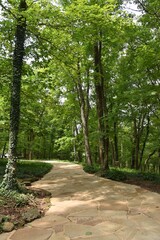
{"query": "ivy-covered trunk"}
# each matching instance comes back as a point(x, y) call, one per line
point(9, 181)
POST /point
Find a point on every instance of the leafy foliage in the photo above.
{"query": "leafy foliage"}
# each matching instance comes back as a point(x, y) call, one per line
point(128, 174)
point(18, 198)
point(28, 169)
point(25, 170)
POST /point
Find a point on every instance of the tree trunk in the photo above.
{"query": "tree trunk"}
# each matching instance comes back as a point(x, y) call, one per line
point(149, 157)
point(84, 107)
point(116, 142)
point(9, 181)
point(30, 143)
point(138, 129)
point(144, 142)
point(133, 158)
point(102, 111)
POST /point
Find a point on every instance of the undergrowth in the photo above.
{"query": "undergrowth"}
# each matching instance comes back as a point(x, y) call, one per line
point(91, 169)
point(122, 174)
point(25, 170)
point(19, 198)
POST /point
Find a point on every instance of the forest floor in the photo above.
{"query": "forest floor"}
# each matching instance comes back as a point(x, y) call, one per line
point(148, 185)
point(15, 214)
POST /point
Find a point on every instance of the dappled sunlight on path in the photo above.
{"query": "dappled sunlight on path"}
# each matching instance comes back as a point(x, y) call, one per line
point(86, 207)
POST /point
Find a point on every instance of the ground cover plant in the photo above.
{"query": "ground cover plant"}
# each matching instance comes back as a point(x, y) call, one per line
point(148, 180)
point(18, 208)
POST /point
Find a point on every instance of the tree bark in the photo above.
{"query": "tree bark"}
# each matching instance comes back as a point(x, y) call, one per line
point(9, 181)
point(138, 129)
point(149, 157)
point(102, 111)
point(116, 142)
point(84, 108)
point(144, 142)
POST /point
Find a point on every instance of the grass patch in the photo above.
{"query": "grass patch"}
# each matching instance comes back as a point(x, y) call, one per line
point(27, 169)
point(123, 174)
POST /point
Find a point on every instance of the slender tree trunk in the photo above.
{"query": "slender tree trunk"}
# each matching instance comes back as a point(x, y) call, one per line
point(133, 157)
point(137, 150)
point(144, 142)
point(116, 142)
point(138, 129)
point(9, 181)
point(78, 152)
point(30, 143)
point(102, 111)
point(113, 153)
point(149, 157)
point(86, 137)
point(84, 107)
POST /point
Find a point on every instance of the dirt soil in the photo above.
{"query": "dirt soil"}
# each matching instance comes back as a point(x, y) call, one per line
point(14, 213)
point(148, 185)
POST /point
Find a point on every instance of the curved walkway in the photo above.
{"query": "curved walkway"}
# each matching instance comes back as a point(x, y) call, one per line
point(86, 207)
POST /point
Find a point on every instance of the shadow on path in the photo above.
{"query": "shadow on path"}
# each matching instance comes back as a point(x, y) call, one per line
point(86, 207)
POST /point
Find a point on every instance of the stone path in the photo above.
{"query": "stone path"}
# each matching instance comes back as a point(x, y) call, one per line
point(86, 207)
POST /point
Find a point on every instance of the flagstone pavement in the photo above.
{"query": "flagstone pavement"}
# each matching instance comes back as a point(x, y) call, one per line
point(87, 207)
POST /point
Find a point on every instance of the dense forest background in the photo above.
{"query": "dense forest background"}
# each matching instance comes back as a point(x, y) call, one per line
point(90, 87)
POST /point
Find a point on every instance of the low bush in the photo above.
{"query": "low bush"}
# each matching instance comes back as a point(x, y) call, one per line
point(91, 169)
point(27, 169)
point(18, 198)
point(115, 174)
point(122, 174)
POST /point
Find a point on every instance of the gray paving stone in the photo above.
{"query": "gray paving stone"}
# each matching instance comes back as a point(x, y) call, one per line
point(28, 233)
point(59, 236)
point(49, 221)
point(147, 235)
point(101, 237)
point(77, 230)
point(4, 236)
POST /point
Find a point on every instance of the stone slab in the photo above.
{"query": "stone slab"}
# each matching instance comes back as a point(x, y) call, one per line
point(4, 236)
point(28, 233)
point(78, 230)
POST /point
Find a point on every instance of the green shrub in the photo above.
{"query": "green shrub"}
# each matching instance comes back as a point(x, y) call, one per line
point(18, 198)
point(124, 174)
point(115, 174)
point(91, 169)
